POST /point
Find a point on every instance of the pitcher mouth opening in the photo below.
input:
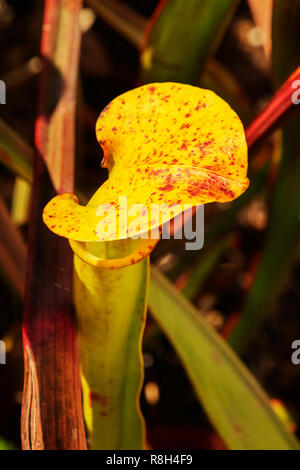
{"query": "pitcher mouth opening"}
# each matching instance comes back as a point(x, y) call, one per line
point(142, 249)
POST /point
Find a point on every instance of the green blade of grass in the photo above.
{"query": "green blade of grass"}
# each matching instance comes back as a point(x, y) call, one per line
point(122, 18)
point(235, 403)
point(21, 201)
point(203, 268)
point(12, 250)
point(15, 154)
point(284, 224)
point(5, 445)
point(180, 38)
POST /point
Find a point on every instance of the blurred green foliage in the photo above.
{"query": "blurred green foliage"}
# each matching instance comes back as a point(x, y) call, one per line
point(284, 223)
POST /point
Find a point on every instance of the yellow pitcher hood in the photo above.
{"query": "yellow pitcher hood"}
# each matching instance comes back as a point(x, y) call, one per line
point(163, 143)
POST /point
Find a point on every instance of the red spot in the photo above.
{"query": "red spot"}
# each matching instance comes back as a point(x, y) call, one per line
point(106, 108)
point(155, 173)
point(152, 89)
point(167, 187)
point(183, 147)
point(237, 429)
point(216, 358)
point(97, 397)
point(200, 105)
point(194, 191)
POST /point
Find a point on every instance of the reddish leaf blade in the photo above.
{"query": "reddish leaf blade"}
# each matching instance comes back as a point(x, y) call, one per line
point(272, 116)
point(52, 411)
